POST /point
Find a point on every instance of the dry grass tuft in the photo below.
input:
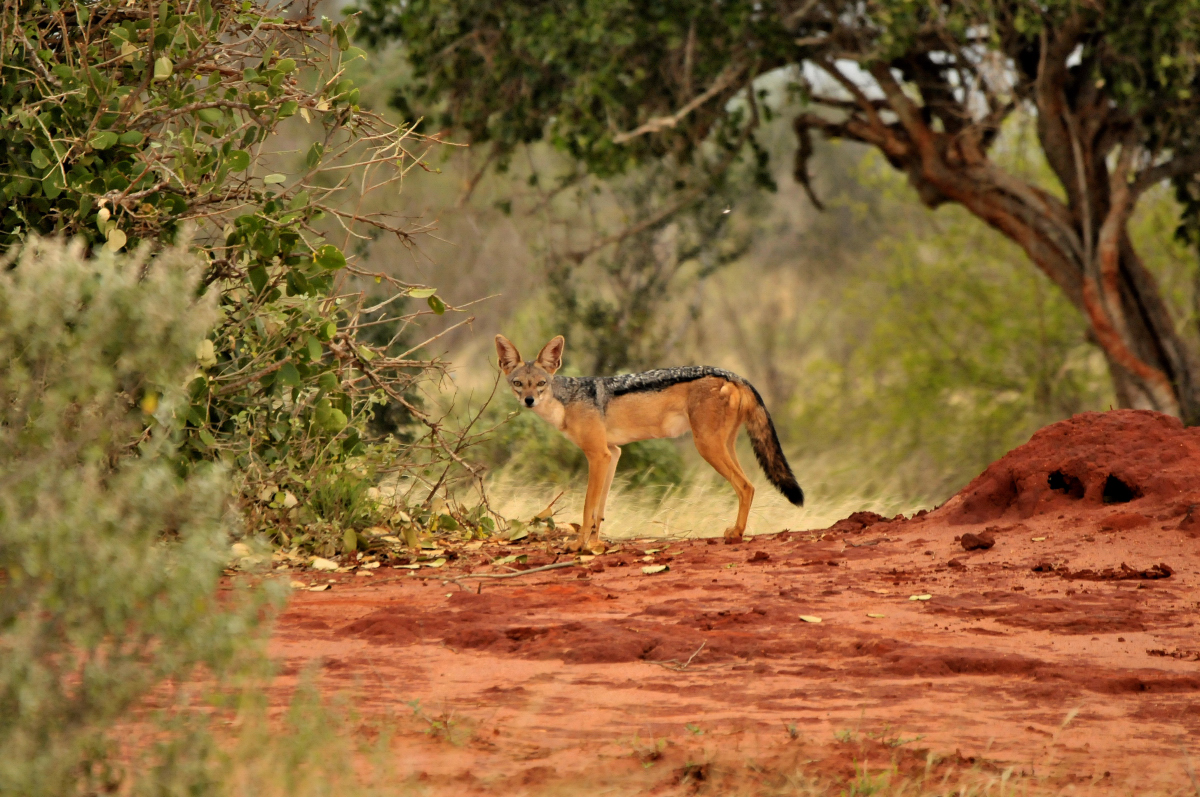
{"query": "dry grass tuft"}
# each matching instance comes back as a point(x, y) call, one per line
point(705, 505)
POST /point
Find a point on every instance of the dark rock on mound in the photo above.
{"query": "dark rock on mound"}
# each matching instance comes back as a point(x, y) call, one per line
point(857, 522)
point(1137, 457)
point(977, 542)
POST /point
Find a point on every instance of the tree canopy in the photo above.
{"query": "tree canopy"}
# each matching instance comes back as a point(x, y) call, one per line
point(1113, 87)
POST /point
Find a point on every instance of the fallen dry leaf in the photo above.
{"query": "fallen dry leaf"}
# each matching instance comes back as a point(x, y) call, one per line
point(406, 567)
point(321, 588)
point(298, 585)
point(323, 564)
point(549, 510)
point(435, 563)
point(652, 569)
point(1037, 539)
point(875, 615)
point(808, 618)
point(919, 597)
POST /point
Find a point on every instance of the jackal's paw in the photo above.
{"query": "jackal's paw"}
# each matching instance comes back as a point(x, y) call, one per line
point(733, 535)
point(596, 547)
point(573, 546)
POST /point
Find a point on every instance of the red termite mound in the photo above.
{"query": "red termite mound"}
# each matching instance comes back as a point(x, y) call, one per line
point(1143, 458)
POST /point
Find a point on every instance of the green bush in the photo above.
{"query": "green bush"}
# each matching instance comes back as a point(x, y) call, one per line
point(109, 557)
point(129, 123)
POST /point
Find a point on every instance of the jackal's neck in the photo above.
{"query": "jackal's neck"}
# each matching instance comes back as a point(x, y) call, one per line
point(552, 411)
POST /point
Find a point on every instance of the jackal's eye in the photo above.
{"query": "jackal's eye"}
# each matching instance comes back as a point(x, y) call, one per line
point(542, 383)
point(516, 383)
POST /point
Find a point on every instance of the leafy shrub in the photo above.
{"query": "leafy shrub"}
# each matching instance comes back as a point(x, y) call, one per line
point(128, 123)
point(109, 558)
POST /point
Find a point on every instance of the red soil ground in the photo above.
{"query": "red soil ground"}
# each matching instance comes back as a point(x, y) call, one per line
point(1082, 609)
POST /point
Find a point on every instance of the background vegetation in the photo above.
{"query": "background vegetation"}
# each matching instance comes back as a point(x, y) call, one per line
point(221, 321)
point(900, 350)
point(134, 124)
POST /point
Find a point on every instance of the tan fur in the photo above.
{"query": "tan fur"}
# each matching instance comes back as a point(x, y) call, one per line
point(711, 408)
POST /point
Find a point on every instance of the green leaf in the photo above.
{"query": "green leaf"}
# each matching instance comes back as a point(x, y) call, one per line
point(314, 348)
point(258, 278)
point(207, 438)
point(328, 382)
point(343, 41)
point(52, 185)
point(163, 68)
point(288, 375)
point(103, 140)
point(289, 108)
point(422, 293)
point(238, 160)
point(285, 65)
point(366, 353)
point(315, 153)
point(329, 257)
point(210, 115)
point(436, 305)
point(116, 240)
point(131, 138)
point(39, 159)
point(274, 179)
point(328, 417)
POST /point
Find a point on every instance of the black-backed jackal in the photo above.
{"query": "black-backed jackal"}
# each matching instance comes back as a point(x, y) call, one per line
point(602, 413)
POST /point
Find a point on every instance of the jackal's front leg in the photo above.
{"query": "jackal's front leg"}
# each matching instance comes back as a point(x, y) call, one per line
point(593, 543)
point(599, 461)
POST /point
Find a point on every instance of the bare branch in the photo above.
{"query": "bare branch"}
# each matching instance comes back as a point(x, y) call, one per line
point(1175, 167)
point(728, 77)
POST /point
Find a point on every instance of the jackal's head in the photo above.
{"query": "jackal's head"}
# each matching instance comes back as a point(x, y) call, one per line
point(530, 381)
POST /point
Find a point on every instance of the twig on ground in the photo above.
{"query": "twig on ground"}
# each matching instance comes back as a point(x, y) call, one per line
point(673, 664)
point(518, 574)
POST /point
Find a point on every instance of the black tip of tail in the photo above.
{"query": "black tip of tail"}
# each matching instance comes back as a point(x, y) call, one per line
point(793, 493)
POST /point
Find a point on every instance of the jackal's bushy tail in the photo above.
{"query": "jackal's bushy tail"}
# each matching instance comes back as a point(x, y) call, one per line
point(769, 453)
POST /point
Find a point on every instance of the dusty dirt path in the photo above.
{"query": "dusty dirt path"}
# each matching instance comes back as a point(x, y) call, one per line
point(1082, 609)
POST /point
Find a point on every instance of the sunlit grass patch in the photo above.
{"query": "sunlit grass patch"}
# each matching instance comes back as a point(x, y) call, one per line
point(704, 505)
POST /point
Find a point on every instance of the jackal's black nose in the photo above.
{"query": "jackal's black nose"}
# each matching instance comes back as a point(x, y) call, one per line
point(529, 401)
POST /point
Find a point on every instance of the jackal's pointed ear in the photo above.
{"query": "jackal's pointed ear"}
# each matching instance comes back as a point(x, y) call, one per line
point(550, 357)
point(510, 358)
